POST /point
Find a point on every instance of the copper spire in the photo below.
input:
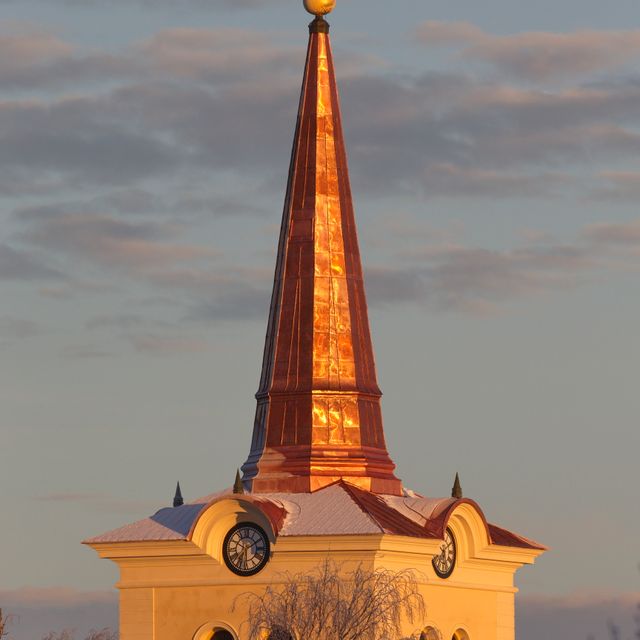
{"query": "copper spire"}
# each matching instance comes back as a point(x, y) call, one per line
point(318, 418)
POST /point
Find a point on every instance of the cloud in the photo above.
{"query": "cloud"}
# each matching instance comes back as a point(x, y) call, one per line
point(459, 137)
point(188, 104)
point(84, 351)
point(578, 615)
point(70, 137)
point(173, 105)
point(37, 611)
point(619, 187)
point(216, 54)
point(478, 281)
point(77, 286)
point(125, 321)
point(168, 345)
point(18, 265)
point(22, 53)
point(36, 59)
point(445, 275)
point(32, 57)
point(615, 233)
point(187, 125)
point(109, 240)
point(449, 179)
point(537, 56)
point(230, 5)
point(435, 270)
point(55, 597)
point(99, 502)
point(227, 293)
point(239, 303)
point(148, 335)
point(16, 328)
point(190, 201)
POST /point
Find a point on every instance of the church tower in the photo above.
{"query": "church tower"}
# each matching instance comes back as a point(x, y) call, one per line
point(318, 482)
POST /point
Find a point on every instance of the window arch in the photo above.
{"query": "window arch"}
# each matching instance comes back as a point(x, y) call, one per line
point(430, 633)
point(460, 634)
point(215, 630)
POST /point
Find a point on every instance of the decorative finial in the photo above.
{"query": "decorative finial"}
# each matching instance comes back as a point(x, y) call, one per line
point(456, 492)
point(177, 499)
point(238, 487)
point(319, 7)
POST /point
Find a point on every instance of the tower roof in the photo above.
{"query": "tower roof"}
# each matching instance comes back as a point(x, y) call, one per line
point(318, 417)
point(336, 510)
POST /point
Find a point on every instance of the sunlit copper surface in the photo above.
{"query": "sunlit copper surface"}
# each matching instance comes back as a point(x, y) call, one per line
point(318, 417)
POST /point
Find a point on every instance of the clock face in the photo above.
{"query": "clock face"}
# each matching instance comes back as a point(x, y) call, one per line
point(246, 549)
point(445, 562)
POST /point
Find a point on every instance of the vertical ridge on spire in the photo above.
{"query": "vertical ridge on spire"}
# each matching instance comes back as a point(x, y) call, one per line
point(318, 417)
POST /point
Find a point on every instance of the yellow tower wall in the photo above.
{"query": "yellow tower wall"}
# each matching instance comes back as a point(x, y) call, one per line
point(183, 589)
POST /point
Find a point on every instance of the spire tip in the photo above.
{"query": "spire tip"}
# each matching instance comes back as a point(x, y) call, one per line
point(456, 492)
point(238, 486)
point(177, 499)
point(319, 7)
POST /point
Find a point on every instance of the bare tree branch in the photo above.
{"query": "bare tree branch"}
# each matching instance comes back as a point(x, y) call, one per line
point(330, 604)
point(94, 634)
point(5, 621)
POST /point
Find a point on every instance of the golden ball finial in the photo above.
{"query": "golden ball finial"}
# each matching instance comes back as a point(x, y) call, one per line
point(319, 7)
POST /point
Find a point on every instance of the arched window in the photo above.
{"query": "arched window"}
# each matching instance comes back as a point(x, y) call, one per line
point(460, 634)
point(430, 633)
point(222, 634)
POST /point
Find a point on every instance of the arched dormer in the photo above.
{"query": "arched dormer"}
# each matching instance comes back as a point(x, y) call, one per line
point(469, 527)
point(224, 513)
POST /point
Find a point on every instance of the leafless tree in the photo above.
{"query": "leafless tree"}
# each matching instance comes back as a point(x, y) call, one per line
point(65, 634)
point(329, 604)
point(69, 634)
point(103, 634)
point(615, 631)
point(5, 621)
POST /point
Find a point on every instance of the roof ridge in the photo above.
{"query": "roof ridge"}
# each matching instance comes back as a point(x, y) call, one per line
point(348, 490)
point(405, 526)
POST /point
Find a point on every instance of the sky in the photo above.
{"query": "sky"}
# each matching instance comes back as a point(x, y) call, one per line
point(494, 153)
